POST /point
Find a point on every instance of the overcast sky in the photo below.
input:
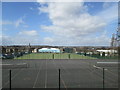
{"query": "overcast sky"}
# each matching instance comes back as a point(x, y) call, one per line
point(67, 23)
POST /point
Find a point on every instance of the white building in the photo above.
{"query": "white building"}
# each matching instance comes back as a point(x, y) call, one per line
point(107, 51)
point(49, 50)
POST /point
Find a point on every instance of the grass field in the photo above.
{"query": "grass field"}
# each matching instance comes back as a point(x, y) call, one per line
point(54, 56)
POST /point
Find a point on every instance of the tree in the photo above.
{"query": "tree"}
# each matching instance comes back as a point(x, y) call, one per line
point(68, 50)
point(103, 54)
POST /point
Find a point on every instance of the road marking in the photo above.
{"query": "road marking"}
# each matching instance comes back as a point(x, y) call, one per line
point(37, 75)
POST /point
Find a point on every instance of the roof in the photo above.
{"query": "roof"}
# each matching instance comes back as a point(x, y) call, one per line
point(106, 50)
point(49, 49)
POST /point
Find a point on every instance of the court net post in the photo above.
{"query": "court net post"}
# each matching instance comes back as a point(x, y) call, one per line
point(103, 78)
point(10, 79)
point(59, 79)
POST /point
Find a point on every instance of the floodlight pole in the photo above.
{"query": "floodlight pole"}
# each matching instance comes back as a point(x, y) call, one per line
point(10, 78)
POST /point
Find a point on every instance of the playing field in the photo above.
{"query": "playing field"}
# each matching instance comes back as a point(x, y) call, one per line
point(54, 56)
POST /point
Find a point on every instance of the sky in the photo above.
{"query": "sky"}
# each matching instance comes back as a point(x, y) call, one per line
point(59, 23)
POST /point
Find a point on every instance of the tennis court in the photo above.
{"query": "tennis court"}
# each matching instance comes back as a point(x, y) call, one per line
point(74, 74)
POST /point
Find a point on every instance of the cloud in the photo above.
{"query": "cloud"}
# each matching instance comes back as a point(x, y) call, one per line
point(71, 18)
point(5, 22)
point(19, 39)
point(28, 33)
point(31, 8)
point(16, 23)
point(19, 22)
point(76, 41)
point(73, 25)
point(108, 4)
point(48, 40)
point(110, 12)
point(25, 40)
point(5, 40)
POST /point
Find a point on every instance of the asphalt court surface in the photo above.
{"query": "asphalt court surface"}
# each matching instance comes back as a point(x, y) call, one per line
point(74, 74)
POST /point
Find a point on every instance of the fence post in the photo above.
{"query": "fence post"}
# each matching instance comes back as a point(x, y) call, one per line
point(103, 78)
point(53, 55)
point(69, 56)
point(59, 79)
point(10, 78)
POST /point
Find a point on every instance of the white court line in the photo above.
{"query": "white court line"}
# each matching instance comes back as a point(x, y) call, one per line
point(108, 62)
point(106, 70)
point(61, 75)
point(15, 64)
point(100, 76)
point(99, 67)
point(64, 68)
point(13, 77)
point(112, 73)
point(5, 64)
point(37, 75)
point(8, 73)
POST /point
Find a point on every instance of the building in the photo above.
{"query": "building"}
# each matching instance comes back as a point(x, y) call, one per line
point(107, 52)
point(49, 50)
